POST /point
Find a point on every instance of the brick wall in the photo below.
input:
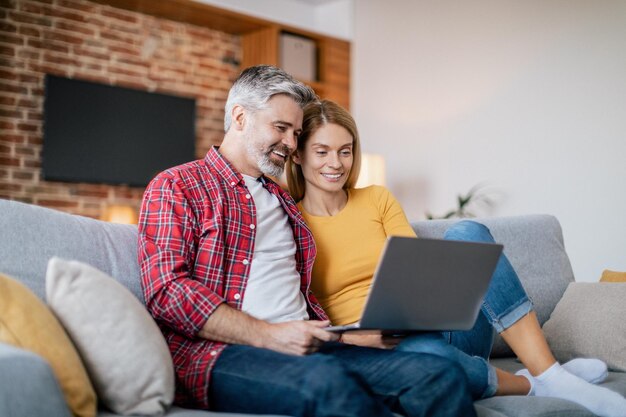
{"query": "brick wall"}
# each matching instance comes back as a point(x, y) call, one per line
point(83, 40)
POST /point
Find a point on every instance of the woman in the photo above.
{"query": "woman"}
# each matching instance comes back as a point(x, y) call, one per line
point(350, 227)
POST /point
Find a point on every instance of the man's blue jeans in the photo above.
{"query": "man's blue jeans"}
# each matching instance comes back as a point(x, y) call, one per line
point(339, 381)
point(505, 303)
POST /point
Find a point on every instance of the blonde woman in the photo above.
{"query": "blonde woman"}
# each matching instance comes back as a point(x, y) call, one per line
point(350, 227)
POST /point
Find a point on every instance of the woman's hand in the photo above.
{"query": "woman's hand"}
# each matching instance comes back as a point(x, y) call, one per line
point(371, 340)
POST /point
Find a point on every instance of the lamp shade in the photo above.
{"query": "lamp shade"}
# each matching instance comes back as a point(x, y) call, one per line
point(372, 170)
point(120, 214)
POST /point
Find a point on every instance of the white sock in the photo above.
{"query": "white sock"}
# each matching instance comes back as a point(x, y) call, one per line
point(557, 382)
point(589, 369)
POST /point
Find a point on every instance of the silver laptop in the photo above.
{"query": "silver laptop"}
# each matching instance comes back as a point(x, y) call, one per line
point(427, 284)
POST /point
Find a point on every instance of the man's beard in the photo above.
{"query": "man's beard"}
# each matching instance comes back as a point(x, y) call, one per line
point(267, 165)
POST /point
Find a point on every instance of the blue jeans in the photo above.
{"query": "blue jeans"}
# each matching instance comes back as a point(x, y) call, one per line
point(505, 303)
point(339, 381)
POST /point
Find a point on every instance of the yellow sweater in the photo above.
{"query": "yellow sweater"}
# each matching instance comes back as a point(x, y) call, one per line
point(349, 245)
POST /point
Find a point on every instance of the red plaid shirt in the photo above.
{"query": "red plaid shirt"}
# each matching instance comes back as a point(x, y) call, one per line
point(196, 240)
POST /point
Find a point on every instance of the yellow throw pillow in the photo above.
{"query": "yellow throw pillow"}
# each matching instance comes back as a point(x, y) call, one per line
point(26, 322)
point(613, 276)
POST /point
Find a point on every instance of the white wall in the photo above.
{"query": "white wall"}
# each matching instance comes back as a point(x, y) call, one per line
point(528, 97)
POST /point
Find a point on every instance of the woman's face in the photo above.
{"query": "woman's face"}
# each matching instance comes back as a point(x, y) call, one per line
point(326, 159)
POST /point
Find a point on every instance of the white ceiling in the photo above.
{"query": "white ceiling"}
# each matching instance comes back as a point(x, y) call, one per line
point(329, 17)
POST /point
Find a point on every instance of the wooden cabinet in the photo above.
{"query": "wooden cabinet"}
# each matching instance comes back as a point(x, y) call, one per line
point(334, 70)
point(260, 40)
point(333, 59)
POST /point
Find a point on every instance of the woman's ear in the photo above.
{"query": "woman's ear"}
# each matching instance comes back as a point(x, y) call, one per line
point(295, 157)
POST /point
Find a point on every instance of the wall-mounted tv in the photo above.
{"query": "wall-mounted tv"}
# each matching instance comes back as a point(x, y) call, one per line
point(99, 133)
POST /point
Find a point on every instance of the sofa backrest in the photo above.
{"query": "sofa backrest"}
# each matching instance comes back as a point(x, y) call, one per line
point(534, 245)
point(31, 235)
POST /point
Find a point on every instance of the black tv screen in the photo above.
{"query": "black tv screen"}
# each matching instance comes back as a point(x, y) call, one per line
point(99, 133)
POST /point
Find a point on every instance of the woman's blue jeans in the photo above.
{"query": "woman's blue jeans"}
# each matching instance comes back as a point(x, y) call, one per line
point(505, 303)
point(338, 381)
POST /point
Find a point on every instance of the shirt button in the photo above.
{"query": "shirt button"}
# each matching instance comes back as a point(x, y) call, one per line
point(252, 226)
point(237, 296)
point(213, 352)
point(245, 262)
point(232, 183)
point(248, 196)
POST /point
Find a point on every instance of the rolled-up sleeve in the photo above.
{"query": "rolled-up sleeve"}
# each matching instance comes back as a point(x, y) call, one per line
point(167, 249)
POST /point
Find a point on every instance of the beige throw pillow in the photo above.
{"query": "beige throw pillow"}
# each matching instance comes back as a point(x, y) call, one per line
point(121, 345)
point(26, 322)
point(589, 322)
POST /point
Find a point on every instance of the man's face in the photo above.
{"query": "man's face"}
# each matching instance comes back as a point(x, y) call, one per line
point(271, 134)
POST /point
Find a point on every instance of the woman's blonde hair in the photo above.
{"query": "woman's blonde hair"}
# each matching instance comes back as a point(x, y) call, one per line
point(316, 115)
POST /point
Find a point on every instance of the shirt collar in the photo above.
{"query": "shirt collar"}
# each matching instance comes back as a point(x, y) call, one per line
point(222, 167)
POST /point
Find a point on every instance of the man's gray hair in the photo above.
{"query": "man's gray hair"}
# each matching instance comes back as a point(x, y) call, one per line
point(256, 85)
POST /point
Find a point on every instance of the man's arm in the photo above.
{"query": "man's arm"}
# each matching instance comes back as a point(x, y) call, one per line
point(166, 235)
point(229, 325)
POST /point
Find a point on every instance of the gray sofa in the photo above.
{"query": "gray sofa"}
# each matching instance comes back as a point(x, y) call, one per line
point(30, 236)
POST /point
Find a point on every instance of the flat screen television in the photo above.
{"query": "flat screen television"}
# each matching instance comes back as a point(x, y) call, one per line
point(98, 133)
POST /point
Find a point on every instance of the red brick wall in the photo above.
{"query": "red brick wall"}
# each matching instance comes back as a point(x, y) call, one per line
point(83, 40)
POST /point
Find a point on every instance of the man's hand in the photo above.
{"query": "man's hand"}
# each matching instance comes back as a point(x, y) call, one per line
point(297, 337)
point(371, 340)
point(236, 327)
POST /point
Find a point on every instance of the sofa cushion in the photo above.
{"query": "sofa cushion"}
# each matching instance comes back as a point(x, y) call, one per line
point(534, 245)
point(44, 233)
point(123, 349)
point(26, 322)
point(589, 322)
point(613, 276)
point(523, 406)
point(23, 372)
point(187, 412)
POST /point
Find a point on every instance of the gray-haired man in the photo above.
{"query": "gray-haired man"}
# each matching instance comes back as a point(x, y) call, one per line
point(226, 265)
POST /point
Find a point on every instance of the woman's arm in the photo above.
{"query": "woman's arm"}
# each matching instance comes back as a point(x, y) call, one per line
point(392, 215)
point(371, 340)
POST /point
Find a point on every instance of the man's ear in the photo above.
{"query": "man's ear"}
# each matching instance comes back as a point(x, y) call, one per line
point(238, 115)
point(295, 157)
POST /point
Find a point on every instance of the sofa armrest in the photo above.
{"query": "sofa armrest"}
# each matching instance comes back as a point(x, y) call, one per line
point(534, 245)
point(27, 385)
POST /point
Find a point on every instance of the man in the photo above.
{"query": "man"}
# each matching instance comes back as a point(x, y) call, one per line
point(226, 263)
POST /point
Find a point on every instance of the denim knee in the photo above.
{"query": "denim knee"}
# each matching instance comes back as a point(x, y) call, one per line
point(446, 386)
point(326, 377)
point(469, 230)
point(453, 373)
point(433, 343)
point(323, 373)
point(446, 371)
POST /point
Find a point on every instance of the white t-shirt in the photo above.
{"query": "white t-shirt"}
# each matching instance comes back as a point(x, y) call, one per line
point(273, 288)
